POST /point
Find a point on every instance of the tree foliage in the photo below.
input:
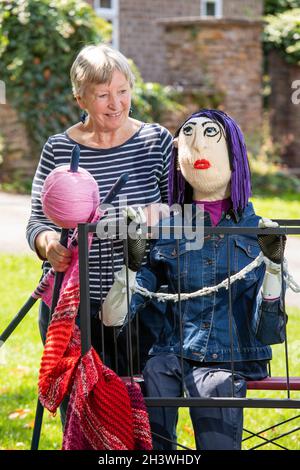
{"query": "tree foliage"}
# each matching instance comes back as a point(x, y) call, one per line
point(273, 7)
point(151, 100)
point(38, 42)
point(282, 32)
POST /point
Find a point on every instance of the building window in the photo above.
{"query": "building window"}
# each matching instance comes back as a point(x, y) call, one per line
point(109, 10)
point(212, 8)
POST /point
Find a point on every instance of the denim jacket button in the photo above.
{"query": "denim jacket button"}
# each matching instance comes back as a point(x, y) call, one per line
point(214, 356)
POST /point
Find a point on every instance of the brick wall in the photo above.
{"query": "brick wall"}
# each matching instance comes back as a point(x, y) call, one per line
point(242, 8)
point(16, 149)
point(219, 56)
point(140, 35)
point(143, 38)
point(284, 114)
point(140, 32)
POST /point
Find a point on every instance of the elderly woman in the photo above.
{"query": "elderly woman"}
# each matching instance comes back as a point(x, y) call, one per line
point(111, 143)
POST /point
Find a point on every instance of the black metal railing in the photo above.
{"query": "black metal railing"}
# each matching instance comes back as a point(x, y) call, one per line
point(286, 227)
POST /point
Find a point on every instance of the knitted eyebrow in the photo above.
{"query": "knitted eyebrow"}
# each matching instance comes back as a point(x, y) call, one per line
point(193, 134)
point(221, 130)
point(189, 122)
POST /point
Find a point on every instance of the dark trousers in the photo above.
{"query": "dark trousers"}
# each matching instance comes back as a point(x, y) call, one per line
point(214, 428)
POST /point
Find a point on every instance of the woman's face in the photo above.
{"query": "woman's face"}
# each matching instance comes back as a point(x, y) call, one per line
point(108, 104)
point(203, 156)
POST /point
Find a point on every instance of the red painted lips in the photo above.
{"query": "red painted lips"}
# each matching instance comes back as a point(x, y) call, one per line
point(202, 164)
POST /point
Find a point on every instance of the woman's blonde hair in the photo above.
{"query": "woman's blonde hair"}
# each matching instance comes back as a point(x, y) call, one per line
point(95, 65)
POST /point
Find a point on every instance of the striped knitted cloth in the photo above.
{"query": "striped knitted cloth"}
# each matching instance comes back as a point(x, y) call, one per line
point(103, 412)
point(99, 415)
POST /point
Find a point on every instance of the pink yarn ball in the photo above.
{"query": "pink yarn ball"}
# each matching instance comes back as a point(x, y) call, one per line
point(70, 198)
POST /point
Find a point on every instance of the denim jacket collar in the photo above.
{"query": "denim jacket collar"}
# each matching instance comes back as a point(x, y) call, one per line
point(234, 215)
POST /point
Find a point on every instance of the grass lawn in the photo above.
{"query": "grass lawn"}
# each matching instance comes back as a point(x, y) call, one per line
point(284, 207)
point(20, 357)
point(258, 419)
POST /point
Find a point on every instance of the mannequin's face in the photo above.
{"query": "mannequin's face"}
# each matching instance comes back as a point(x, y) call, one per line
point(203, 158)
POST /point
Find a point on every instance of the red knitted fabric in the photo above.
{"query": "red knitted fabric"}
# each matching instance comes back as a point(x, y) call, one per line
point(141, 426)
point(101, 414)
point(62, 349)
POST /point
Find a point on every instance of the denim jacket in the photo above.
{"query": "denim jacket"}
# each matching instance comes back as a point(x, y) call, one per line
point(205, 320)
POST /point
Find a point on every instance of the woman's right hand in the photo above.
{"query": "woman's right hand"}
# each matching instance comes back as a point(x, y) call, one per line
point(48, 247)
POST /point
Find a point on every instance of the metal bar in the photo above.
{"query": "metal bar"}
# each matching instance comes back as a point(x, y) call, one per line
point(180, 318)
point(170, 440)
point(230, 314)
point(167, 230)
point(284, 319)
point(287, 222)
point(251, 231)
point(129, 332)
point(271, 427)
point(266, 441)
point(275, 438)
point(58, 276)
point(85, 314)
point(137, 325)
point(116, 350)
point(218, 402)
point(38, 420)
point(16, 320)
point(114, 329)
point(36, 434)
point(227, 402)
point(101, 301)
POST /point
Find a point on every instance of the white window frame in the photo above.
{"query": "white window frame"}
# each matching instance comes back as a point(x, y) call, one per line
point(2, 92)
point(111, 14)
point(218, 7)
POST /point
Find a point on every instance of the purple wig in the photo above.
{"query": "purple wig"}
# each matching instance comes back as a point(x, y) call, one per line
point(180, 191)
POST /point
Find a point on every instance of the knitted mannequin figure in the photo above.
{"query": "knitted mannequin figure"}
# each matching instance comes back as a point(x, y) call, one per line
point(209, 168)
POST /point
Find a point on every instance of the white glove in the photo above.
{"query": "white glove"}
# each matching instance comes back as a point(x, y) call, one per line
point(114, 307)
point(267, 223)
point(138, 216)
point(271, 288)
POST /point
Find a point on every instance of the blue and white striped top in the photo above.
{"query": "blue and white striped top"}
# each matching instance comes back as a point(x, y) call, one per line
point(145, 156)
